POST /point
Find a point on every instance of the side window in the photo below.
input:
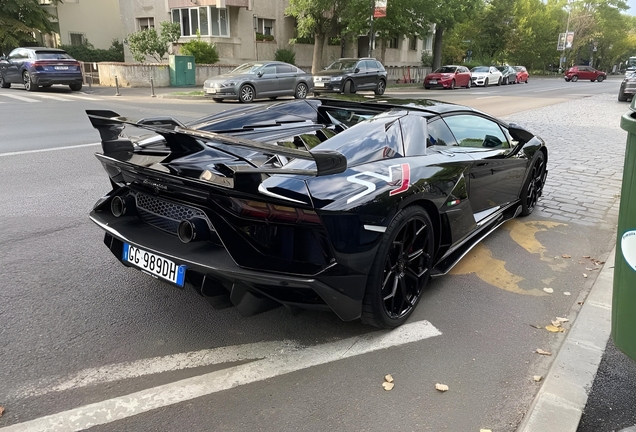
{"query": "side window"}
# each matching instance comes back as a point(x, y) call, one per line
point(475, 131)
point(283, 69)
point(439, 134)
point(379, 65)
point(370, 65)
point(269, 70)
point(362, 66)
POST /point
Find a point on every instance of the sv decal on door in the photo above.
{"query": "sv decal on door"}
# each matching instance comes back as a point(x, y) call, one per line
point(399, 175)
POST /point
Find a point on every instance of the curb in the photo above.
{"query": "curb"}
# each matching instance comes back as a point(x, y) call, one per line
point(559, 404)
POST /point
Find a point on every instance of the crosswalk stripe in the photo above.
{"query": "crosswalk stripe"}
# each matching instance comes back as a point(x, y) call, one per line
point(83, 97)
point(52, 97)
point(21, 98)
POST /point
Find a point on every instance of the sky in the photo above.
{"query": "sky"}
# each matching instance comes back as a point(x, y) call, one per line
point(632, 7)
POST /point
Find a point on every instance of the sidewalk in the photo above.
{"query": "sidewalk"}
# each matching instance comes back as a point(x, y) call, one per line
point(561, 401)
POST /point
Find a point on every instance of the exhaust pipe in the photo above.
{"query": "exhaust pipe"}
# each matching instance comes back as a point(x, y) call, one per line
point(125, 206)
point(195, 229)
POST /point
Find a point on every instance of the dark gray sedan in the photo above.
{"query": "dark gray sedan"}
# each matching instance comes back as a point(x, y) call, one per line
point(256, 80)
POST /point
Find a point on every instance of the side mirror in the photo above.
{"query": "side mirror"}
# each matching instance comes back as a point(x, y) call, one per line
point(259, 74)
point(519, 134)
point(3, 58)
point(356, 70)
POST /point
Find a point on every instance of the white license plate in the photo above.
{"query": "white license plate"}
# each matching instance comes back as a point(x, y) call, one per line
point(433, 82)
point(154, 264)
point(61, 67)
point(211, 91)
point(319, 84)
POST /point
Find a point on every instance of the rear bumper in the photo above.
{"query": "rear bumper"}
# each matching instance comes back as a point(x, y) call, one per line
point(43, 78)
point(210, 264)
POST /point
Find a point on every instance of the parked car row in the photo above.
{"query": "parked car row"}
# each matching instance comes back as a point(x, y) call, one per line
point(452, 76)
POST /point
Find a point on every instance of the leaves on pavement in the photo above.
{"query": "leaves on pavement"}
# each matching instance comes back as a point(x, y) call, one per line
point(542, 352)
point(566, 256)
point(441, 387)
point(388, 378)
point(1, 410)
point(537, 378)
point(388, 386)
point(548, 290)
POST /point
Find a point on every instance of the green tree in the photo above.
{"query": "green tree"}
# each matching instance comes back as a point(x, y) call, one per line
point(317, 18)
point(149, 43)
point(203, 52)
point(20, 19)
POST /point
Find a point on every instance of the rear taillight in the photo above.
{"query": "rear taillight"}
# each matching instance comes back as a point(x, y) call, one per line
point(273, 212)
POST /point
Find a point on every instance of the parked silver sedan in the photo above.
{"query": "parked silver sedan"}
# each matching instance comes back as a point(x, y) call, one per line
point(256, 80)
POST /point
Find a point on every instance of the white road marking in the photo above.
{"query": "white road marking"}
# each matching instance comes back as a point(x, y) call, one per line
point(57, 98)
point(169, 394)
point(552, 89)
point(139, 368)
point(82, 97)
point(19, 153)
point(20, 98)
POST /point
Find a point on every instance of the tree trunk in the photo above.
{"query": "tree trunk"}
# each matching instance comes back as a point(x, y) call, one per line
point(383, 51)
point(319, 42)
point(437, 47)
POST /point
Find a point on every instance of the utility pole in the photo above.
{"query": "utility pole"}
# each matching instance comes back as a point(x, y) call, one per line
point(371, 30)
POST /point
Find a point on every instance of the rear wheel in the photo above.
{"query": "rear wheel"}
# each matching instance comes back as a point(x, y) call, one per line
point(28, 84)
point(600, 78)
point(427, 87)
point(575, 78)
point(316, 94)
point(533, 187)
point(217, 100)
point(75, 87)
point(621, 96)
point(301, 91)
point(401, 269)
point(380, 88)
point(3, 83)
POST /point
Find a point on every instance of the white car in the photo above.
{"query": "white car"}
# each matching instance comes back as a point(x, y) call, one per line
point(485, 75)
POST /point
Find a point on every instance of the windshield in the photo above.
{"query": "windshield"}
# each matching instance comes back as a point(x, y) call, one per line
point(247, 68)
point(445, 69)
point(481, 69)
point(518, 68)
point(342, 65)
point(52, 55)
point(502, 68)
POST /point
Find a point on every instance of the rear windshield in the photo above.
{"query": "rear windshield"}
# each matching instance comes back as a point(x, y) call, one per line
point(52, 55)
point(445, 69)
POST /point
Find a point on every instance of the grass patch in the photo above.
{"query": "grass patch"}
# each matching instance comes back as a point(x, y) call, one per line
point(409, 85)
point(191, 93)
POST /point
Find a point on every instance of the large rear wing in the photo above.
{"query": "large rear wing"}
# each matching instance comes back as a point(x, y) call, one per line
point(183, 141)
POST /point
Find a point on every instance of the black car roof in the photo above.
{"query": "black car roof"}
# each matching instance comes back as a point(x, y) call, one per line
point(431, 106)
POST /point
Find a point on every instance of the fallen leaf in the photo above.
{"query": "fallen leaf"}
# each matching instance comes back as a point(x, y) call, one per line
point(441, 387)
point(388, 378)
point(562, 319)
point(485, 430)
point(548, 290)
point(536, 326)
point(556, 323)
point(1, 410)
point(584, 275)
point(589, 269)
point(537, 378)
point(542, 352)
point(585, 256)
point(566, 293)
point(554, 329)
point(388, 386)
point(566, 256)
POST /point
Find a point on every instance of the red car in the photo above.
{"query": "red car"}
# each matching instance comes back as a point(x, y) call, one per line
point(584, 72)
point(522, 74)
point(448, 77)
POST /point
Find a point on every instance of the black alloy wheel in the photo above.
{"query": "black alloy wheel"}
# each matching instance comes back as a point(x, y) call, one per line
point(401, 269)
point(3, 83)
point(301, 91)
point(246, 94)
point(533, 187)
point(28, 84)
point(575, 78)
point(380, 88)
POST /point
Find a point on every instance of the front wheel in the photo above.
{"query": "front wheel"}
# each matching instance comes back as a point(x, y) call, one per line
point(533, 187)
point(348, 87)
point(246, 94)
point(301, 91)
point(28, 84)
point(3, 83)
point(575, 78)
point(600, 79)
point(400, 270)
point(380, 88)
point(452, 86)
point(486, 83)
point(499, 81)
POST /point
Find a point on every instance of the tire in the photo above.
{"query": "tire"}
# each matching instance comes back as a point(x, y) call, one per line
point(575, 78)
point(380, 88)
point(469, 84)
point(28, 84)
point(600, 79)
point(452, 87)
point(3, 83)
point(316, 94)
point(217, 100)
point(621, 96)
point(533, 186)
point(427, 87)
point(505, 81)
point(527, 80)
point(273, 98)
point(499, 81)
point(75, 87)
point(348, 87)
point(47, 85)
point(301, 91)
point(566, 80)
point(401, 269)
point(486, 83)
point(246, 93)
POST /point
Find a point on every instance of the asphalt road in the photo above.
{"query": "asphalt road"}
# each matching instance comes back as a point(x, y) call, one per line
point(77, 328)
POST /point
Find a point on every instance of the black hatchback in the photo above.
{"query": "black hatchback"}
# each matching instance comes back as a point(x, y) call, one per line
point(40, 67)
point(348, 75)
